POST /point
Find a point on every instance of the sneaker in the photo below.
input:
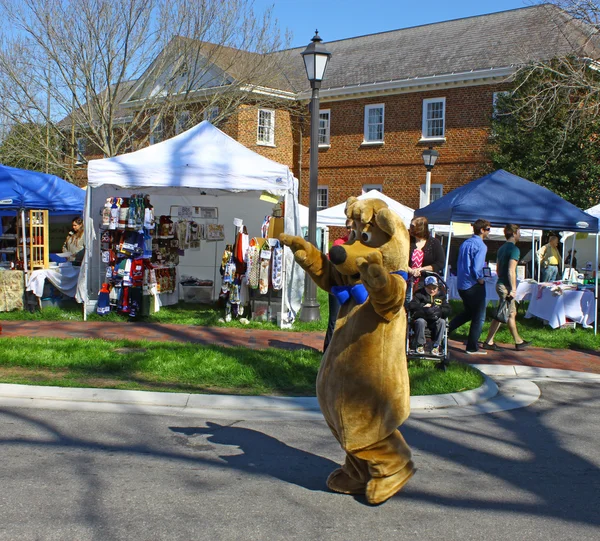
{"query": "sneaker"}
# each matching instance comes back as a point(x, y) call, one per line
point(435, 351)
point(491, 347)
point(523, 345)
point(476, 352)
point(420, 350)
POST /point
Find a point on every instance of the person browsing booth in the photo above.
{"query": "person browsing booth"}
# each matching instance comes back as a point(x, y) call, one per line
point(430, 309)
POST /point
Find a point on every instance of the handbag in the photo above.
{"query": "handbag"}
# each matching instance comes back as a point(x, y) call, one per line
point(502, 312)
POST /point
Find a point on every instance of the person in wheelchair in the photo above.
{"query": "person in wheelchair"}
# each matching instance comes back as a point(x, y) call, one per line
point(429, 308)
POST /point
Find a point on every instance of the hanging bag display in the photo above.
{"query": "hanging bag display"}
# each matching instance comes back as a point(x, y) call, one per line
point(277, 266)
point(265, 263)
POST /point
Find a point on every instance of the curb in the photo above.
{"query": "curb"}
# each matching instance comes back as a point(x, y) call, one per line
point(196, 404)
point(515, 389)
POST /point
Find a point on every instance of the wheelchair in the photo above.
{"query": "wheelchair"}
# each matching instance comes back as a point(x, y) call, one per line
point(443, 358)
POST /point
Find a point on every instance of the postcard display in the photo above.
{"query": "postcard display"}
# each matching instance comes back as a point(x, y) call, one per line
point(252, 273)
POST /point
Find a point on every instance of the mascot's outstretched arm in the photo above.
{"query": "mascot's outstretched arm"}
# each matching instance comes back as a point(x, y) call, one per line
point(386, 291)
point(312, 260)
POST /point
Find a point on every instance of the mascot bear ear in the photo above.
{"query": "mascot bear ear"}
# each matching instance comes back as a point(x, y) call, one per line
point(387, 221)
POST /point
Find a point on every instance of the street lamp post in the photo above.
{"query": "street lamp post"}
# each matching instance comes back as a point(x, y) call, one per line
point(315, 58)
point(430, 156)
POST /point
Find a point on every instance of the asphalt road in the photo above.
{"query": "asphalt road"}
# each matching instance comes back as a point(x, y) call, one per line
point(530, 474)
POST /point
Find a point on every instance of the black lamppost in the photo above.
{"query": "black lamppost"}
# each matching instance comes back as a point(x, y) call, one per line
point(315, 58)
point(430, 156)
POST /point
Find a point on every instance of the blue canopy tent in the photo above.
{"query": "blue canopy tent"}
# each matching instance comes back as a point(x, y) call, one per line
point(502, 198)
point(22, 190)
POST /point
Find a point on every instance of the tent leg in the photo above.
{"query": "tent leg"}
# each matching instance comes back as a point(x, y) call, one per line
point(596, 289)
point(448, 253)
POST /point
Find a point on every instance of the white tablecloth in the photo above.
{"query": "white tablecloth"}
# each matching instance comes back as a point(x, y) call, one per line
point(63, 278)
point(575, 305)
point(524, 289)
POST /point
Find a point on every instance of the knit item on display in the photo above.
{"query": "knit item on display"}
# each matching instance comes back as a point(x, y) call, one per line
point(277, 266)
point(103, 305)
point(253, 264)
point(265, 262)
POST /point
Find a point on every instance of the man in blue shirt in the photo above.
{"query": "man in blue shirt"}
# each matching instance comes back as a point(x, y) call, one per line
point(471, 285)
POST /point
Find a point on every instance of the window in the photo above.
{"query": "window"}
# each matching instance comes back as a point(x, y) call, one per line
point(435, 192)
point(182, 122)
point(80, 142)
point(322, 197)
point(324, 123)
point(368, 187)
point(374, 115)
point(210, 114)
point(266, 127)
point(434, 118)
point(156, 130)
point(495, 97)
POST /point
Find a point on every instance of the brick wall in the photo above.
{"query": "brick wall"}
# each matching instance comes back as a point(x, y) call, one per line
point(397, 165)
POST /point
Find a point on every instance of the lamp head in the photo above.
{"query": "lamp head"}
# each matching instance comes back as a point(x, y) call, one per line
point(315, 58)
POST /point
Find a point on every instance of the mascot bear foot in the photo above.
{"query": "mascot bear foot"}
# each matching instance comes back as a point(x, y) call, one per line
point(340, 481)
point(381, 489)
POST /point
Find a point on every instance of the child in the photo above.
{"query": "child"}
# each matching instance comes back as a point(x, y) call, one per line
point(429, 308)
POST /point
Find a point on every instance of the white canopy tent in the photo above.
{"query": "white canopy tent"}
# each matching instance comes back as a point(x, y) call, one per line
point(202, 167)
point(336, 216)
point(586, 247)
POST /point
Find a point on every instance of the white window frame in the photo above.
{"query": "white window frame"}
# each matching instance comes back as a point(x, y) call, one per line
point(182, 121)
point(326, 143)
point(368, 187)
point(80, 143)
point(366, 139)
point(322, 190)
point(210, 113)
point(156, 130)
point(425, 125)
point(269, 140)
point(433, 188)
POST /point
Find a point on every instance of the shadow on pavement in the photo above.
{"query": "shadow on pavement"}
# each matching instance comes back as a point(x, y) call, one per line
point(265, 455)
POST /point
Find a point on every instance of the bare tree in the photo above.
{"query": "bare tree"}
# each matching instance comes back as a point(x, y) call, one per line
point(109, 72)
point(572, 78)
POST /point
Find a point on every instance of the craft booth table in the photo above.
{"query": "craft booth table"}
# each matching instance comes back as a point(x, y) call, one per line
point(556, 305)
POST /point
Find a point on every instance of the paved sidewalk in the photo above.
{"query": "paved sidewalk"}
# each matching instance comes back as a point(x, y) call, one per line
point(580, 361)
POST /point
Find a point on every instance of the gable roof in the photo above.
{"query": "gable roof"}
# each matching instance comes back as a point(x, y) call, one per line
point(497, 40)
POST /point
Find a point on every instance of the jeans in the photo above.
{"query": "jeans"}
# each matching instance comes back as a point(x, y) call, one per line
point(474, 303)
point(437, 328)
point(549, 273)
point(334, 308)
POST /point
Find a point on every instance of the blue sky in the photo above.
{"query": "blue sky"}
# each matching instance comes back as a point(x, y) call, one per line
point(339, 19)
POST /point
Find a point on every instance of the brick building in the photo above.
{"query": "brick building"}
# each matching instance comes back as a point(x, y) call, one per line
point(386, 97)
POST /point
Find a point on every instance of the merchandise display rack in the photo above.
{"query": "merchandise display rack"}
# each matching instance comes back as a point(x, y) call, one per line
point(37, 239)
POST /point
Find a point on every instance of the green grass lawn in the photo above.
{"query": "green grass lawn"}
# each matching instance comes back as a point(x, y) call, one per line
point(181, 367)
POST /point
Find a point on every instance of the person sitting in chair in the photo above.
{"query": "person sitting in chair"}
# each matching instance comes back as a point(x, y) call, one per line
point(75, 243)
point(429, 309)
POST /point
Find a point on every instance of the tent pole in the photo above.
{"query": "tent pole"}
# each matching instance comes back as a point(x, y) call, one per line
point(533, 254)
point(448, 253)
point(24, 233)
point(596, 288)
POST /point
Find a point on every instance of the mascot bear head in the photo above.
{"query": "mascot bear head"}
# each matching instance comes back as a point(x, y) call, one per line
point(375, 229)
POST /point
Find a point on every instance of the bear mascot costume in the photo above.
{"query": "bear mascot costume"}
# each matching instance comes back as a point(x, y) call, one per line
point(362, 385)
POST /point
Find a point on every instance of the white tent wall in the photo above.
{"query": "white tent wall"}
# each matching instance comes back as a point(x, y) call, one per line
point(202, 263)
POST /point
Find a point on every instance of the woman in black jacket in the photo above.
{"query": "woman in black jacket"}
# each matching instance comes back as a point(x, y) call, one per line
point(426, 252)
